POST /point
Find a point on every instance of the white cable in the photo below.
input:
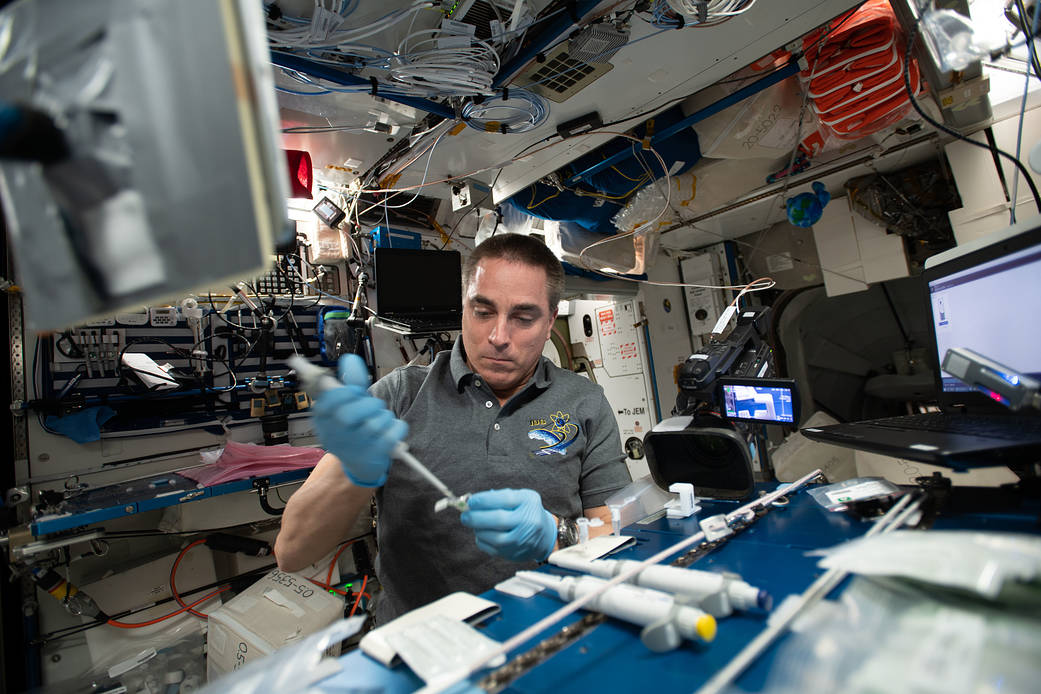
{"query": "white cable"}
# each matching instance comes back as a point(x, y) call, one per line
point(716, 11)
point(643, 227)
point(524, 111)
point(303, 36)
point(425, 64)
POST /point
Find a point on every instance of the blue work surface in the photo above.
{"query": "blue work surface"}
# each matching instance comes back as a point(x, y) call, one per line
point(769, 555)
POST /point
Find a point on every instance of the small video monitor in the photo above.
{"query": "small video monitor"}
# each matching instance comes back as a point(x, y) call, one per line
point(764, 400)
point(329, 213)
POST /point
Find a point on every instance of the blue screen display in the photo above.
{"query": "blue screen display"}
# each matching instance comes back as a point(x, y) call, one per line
point(758, 403)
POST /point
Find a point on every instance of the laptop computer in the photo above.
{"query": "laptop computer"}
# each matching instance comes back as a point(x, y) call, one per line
point(418, 291)
point(986, 298)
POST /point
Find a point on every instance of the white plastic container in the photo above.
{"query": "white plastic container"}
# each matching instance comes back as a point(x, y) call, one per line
point(639, 499)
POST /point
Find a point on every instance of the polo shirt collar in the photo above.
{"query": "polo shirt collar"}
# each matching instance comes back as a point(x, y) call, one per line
point(462, 374)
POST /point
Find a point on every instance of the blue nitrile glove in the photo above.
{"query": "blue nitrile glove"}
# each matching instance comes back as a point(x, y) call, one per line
point(511, 523)
point(356, 427)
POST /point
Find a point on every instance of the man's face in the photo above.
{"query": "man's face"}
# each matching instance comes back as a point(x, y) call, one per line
point(506, 322)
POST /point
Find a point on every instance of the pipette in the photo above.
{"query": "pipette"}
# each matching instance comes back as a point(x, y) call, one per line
point(316, 380)
point(716, 593)
point(666, 620)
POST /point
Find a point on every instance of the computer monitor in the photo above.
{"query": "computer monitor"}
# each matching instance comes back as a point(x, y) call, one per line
point(438, 274)
point(990, 308)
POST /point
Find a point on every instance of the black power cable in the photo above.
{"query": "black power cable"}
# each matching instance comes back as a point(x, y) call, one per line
point(262, 485)
point(912, 35)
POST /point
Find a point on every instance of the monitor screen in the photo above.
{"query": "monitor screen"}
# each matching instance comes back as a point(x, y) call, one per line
point(413, 281)
point(990, 308)
point(769, 401)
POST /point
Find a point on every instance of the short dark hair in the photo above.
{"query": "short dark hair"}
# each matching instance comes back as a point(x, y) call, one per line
point(518, 248)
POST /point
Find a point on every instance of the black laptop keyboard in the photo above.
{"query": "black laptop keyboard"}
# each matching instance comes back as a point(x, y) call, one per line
point(973, 425)
point(426, 325)
point(436, 323)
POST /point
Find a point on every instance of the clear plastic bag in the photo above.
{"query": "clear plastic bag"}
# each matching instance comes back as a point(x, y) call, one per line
point(884, 636)
point(637, 500)
point(952, 38)
point(238, 461)
point(972, 561)
point(161, 663)
point(292, 669)
point(835, 497)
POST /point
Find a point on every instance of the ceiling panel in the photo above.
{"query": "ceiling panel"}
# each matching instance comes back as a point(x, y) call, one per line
point(656, 69)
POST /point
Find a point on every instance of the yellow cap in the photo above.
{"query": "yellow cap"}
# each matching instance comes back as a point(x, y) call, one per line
point(706, 627)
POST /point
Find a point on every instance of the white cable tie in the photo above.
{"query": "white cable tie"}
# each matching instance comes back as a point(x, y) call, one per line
point(724, 320)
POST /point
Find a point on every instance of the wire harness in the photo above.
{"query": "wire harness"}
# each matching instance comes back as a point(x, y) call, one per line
point(517, 112)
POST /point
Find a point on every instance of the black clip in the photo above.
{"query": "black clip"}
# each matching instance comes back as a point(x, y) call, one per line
point(262, 485)
point(505, 93)
point(375, 86)
point(503, 128)
point(572, 10)
point(702, 6)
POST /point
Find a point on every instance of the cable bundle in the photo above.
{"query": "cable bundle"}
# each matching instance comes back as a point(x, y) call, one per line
point(521, 112)
point(429, 64)
point(701, 13)
point(325, 28)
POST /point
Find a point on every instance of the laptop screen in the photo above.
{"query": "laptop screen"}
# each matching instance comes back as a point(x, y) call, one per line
point(992, 308)
point(413, 282)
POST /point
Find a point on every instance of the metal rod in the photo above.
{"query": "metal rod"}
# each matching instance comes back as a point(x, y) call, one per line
point(814, 176)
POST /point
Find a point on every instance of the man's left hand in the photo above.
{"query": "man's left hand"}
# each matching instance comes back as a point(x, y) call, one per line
point(511, 523)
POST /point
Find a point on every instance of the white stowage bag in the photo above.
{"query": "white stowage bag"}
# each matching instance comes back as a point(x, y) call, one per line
point(621, 254)
point(763, 125)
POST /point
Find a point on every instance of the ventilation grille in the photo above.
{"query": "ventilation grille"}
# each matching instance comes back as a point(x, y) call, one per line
point(481, 16)
point(561, 76)
point(598, 43)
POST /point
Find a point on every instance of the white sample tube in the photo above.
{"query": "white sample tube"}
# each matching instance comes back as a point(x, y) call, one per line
point(730, 591)
point(643, 606)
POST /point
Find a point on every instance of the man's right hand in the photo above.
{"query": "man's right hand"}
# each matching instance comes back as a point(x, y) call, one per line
point(356, 427)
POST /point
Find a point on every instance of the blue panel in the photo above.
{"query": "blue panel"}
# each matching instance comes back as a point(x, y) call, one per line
point(160, 491)
point(336, 76)
point(605, 193)
point(800, 524)
point(770, 555)
point(386, 237)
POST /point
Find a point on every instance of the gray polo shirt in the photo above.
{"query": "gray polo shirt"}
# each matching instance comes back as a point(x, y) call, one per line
point(557, 435)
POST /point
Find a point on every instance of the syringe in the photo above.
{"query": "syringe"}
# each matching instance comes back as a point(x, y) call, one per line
point(666, 621)
point(316, 380)
point(716, 593)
